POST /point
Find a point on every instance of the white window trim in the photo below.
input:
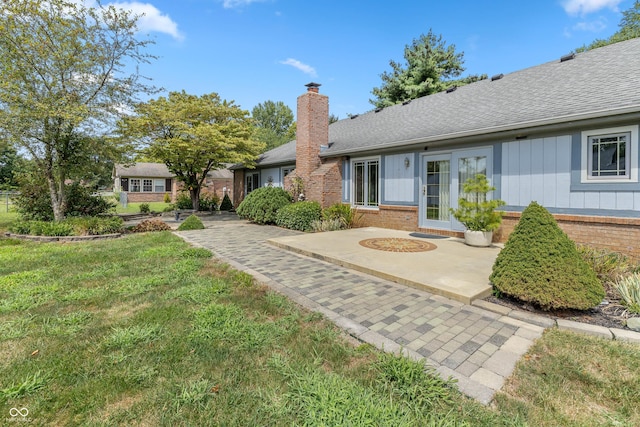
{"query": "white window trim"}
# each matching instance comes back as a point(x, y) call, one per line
point(353, 181)
point(131, 185)
point(632, 152)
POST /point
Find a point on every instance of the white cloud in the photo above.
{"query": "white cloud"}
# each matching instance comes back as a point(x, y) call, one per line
point(583, 7)
point(307, 69)
point(151, 19)
point(231, 4)
point(593, 26)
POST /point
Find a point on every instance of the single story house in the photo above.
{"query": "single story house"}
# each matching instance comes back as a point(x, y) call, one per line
point(564, 134)
point(149, 182)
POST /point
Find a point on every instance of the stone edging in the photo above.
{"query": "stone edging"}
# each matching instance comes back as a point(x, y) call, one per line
point(62, 238)
point(567, 325)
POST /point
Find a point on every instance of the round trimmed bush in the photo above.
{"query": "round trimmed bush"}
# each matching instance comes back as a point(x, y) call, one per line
point(191, 223)
point(299, 215)
point(262, 204)
point(541, 265)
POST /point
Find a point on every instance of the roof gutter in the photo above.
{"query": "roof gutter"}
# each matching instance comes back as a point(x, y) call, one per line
point(556, 123)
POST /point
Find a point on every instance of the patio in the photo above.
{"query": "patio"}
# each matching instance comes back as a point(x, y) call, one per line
point(440, 265)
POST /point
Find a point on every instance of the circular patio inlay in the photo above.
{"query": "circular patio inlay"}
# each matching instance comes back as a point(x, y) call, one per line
point(396, 244)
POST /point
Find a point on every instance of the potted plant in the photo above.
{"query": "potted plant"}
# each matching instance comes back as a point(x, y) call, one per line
point(477, 213)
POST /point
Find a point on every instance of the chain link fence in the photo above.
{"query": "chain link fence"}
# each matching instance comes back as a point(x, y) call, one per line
point(6, 201)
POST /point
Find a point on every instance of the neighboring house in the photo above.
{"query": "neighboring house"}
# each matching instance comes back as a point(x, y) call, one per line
point(149, 182)
point(564, 134)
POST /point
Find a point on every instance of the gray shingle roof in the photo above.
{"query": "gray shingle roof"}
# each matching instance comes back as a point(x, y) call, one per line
point(148, 170)
point(159, 170)
point(283, 154)
point(600, 82)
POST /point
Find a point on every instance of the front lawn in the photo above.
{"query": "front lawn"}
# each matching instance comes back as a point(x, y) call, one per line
point(144, 330)
point(135, 207)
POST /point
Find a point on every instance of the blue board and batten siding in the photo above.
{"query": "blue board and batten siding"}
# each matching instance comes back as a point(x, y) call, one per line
point(399, 183)
point(547, 170)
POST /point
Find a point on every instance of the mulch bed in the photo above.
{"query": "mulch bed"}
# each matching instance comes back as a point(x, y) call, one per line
point(610, 315)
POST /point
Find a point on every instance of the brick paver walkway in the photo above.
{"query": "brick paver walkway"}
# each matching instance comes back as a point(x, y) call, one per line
point(477, 347)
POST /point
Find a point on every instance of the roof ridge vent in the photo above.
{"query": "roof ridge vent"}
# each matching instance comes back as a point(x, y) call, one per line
point(451, 89)
point(408, 101)
point(353, 116)
point(567, 57)
point(497, 77)
point(377, 110)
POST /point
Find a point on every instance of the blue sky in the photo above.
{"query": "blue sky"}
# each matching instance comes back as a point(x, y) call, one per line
point(257, 50)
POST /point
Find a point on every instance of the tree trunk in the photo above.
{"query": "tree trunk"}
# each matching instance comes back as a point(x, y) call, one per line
point(58, 199)
point(195, 198)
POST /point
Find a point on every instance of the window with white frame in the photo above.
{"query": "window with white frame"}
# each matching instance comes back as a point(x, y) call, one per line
point(147, 185)
point(134, 185)
point(610, 155)
point(366, 175)
point(158, 185)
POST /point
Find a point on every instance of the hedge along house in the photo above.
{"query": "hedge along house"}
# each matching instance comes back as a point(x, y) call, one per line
point(149, 182)
point(564, 134)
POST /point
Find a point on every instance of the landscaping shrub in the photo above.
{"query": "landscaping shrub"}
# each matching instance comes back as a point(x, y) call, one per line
point(145, 208)
point(167, 198)
point(226, 203)
point(347, 216)
point(299, 216)
point(629, 289)
point(96, 226)
point(150, 225)
point(183, 201)
point(609, 266)
point(327, 225)
point(209, 202)
point(191, 223)
point(75, 226)
point(34, 202)
point(541, 265)
point(43, 228)
point(262, 204)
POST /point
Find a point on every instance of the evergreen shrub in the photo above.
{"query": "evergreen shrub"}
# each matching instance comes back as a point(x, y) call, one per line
point(191, 223)
point(145, 208)
point(226, 203)
point(541, 265)
point(299, 215)
point(262, 204)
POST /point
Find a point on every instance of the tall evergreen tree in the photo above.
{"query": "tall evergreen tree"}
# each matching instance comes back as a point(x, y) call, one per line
point(431, 66)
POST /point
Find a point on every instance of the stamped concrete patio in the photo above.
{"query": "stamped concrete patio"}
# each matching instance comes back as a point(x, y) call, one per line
point(446, 267)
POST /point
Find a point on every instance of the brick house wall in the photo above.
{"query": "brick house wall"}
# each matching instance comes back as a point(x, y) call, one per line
point(614, 234)
point(238, 187)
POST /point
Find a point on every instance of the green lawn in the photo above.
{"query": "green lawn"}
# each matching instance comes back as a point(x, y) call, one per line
point(143, 330)
point(135, 207)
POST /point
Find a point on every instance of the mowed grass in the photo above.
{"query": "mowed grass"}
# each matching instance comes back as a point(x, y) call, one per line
point(144, 330)
point(135, 207)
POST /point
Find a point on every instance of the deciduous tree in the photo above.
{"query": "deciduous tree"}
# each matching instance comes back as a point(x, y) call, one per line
point(64, 79)
point(431, 66)
point(193, 135)
point(274, 123)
